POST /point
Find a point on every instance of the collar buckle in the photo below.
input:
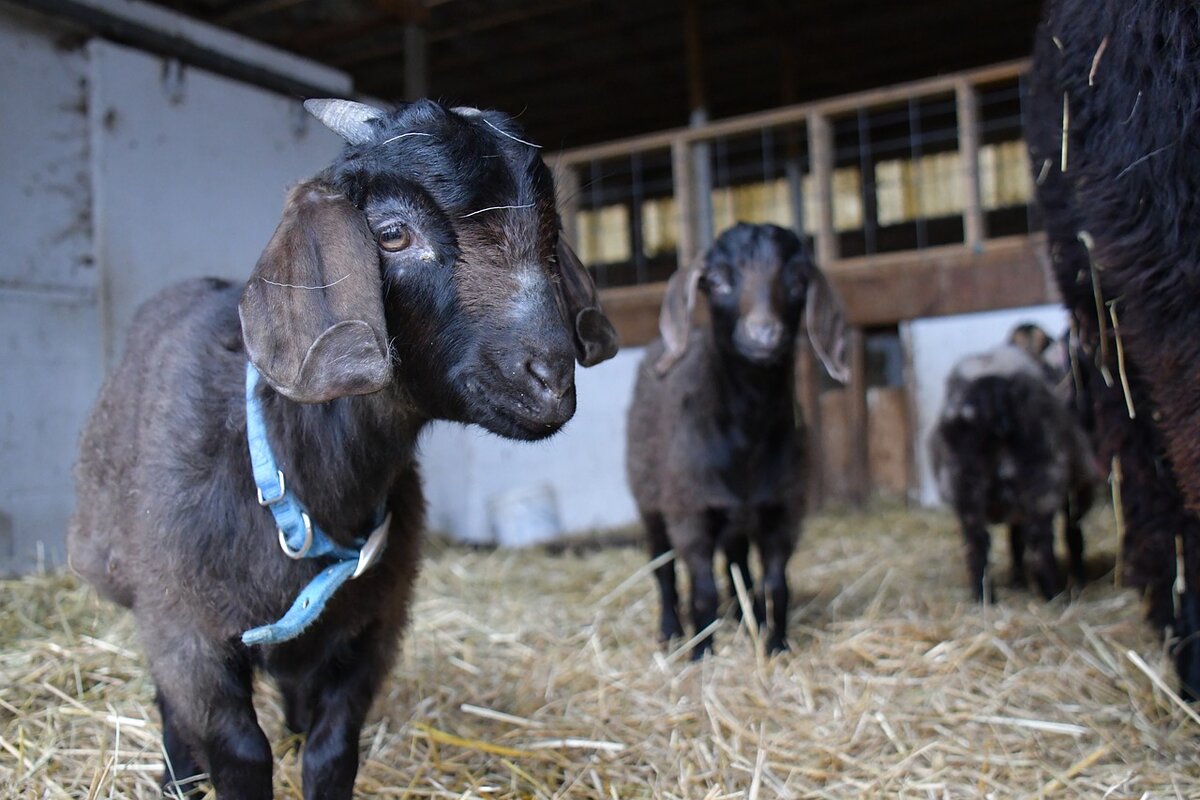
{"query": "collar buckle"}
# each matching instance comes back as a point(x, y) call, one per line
point(270, 501)
point(295, 555)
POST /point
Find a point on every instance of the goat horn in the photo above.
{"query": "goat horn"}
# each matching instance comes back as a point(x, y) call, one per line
point(346, 118)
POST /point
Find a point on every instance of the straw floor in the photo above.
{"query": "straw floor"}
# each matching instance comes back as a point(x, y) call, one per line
point(537, 675)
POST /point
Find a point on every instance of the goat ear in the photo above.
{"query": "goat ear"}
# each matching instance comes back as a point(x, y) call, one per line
point(312, 312)
point(675, 318)
point(825, 319)
point(594, 336)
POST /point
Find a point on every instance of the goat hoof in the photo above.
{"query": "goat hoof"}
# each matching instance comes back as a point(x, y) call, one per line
point(776, 645)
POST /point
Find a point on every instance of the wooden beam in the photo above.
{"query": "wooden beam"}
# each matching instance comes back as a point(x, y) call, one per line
point(967, 102)
point(808, 395)
point(566, 186)
point(887, 289)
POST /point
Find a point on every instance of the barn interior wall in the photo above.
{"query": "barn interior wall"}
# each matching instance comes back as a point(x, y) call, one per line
point(123, 173)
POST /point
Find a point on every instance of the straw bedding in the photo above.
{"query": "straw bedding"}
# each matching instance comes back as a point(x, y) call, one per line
point(532, 674)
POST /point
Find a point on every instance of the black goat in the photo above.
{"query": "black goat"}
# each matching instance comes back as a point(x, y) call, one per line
point(1007, 449)
point(1115, 150)
point(716, 450)
point(420, 276)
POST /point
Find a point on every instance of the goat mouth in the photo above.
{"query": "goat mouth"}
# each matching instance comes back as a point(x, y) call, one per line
point(514, 416)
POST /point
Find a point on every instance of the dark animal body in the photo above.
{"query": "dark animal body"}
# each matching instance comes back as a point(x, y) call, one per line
point(380, 303)
point(716, 454)
point(1115, 146)
point(1008, 450)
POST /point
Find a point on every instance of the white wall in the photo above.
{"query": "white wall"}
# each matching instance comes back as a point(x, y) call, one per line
point(121, 174)
point(190, 174)
point(937, 344)
point(465, 468)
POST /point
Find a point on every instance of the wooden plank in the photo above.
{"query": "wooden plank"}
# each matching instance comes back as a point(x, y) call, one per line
point(967, 101)
point(820, 149)
point(887, 289)
point(833, 453)
point(888, 438)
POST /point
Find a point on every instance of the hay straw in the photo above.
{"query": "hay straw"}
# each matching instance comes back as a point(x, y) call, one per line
point(515, 681)
point(1112, 310)
point(1115, 476)
point(1088, 243)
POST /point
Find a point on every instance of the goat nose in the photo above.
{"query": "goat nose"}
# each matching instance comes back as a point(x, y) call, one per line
point(557, 376)
point(764, 334)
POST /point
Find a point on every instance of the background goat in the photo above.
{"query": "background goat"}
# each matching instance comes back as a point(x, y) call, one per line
point(1113, 141)
point(716, 450)
point(419, 277)
point(1007, 449)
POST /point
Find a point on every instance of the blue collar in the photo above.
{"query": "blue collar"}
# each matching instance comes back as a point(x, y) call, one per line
point(298, 536)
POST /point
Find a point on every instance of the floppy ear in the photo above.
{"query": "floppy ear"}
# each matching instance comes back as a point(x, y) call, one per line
point(594, 336)
point(825, 319)
point(312, 311)
point(675, 318)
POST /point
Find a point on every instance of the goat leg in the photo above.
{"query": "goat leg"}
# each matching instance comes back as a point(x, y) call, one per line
point(977, 542)
point(775, 546)
point(1040, 532)
point(181, 770)
point(341, 690)
point(205, 693)
point(1016, 546)
point(1187, 622)
point(696, 544)
point(737, 556)
point(669, 626)
point(1074, 533)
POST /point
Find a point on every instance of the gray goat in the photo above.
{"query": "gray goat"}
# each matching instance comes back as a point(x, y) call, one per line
point(716, 451)
point(1008, 449)
point(419, 277)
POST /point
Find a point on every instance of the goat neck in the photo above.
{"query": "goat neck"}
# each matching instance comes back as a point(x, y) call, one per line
point(329, 453)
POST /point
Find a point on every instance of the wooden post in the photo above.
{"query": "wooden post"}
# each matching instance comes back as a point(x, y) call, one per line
point(566, 185)
point(416, 62)
point(820, 152)
point(681, 180)
point(859, 479)
point(702, 209)
point(974, 224)
point(808, 395)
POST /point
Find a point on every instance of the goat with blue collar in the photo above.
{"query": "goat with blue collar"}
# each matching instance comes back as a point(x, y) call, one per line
point(247, 482)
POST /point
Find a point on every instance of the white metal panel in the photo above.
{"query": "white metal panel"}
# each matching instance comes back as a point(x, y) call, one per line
point(44, 200)
point(937, 344)
point(190, 173)
point(465, 468)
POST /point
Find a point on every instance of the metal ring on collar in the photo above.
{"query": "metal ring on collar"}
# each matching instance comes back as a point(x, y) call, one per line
point(308, 540)
point(267, 501)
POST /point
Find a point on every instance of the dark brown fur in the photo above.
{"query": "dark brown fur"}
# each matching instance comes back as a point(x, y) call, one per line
point(715, 453)
point(1129, 74)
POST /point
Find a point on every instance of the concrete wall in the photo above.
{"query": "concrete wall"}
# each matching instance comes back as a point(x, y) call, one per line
point(467, 469)
point(937, 344)
point(122, 173)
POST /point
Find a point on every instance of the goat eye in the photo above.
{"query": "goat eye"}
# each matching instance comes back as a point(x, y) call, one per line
point(394, 240)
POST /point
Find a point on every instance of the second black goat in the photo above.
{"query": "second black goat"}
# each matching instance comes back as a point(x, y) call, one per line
point(716, 453)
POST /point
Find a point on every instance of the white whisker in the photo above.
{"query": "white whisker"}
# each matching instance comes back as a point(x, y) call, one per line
point(401, 136)
point(494, 208)
point(510, 136)
point(298, 286)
